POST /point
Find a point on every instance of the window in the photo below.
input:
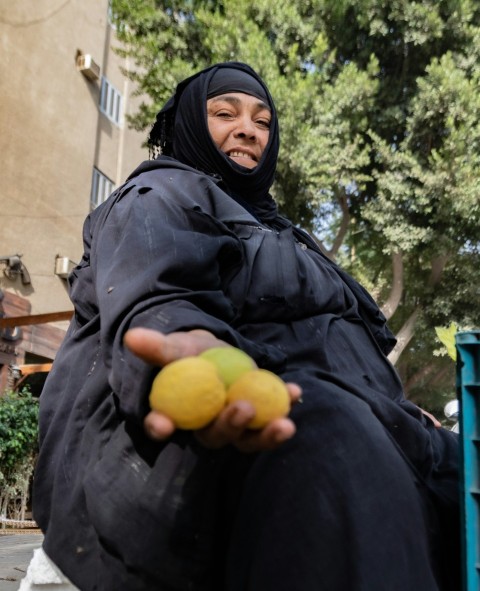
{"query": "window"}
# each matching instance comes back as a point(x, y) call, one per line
point(111, 102)
point(102, 186)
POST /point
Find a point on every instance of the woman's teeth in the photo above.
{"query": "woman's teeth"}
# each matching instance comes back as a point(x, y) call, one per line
point(240, 155)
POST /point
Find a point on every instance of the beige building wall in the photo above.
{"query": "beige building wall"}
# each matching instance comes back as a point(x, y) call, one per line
point(52, 134)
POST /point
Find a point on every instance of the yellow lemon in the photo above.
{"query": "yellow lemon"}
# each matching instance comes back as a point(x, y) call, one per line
point(231, 362)
point(189, 391)
point(267, 393)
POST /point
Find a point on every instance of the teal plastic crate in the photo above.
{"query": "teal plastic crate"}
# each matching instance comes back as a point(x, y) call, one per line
point(468, 393)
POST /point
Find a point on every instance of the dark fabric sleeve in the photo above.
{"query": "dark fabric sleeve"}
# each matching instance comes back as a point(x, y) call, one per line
point(369, 310)
point(162, 263)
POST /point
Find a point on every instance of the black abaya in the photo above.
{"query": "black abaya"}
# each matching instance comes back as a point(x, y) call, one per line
point(362, 498)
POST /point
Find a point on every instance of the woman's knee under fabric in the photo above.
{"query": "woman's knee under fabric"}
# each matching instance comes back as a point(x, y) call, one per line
point(337, 507)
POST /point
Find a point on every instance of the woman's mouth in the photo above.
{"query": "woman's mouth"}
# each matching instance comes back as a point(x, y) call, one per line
point(238, 154)
point(243, 158)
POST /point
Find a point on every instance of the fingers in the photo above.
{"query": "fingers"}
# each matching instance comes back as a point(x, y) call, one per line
point(228, 426)
point(434, 420)
point(295, 392)
point(158, 426)
point(231, 427)
point(146, 344)
point(157, 348)
point(274, 434)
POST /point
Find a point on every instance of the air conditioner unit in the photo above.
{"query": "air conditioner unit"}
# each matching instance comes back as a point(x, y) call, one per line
point(88, 67)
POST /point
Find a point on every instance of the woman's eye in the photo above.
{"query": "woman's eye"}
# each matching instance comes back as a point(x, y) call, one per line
point(264, 123)
point(224, 114)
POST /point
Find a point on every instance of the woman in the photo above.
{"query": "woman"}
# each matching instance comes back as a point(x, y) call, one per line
point(356, 490)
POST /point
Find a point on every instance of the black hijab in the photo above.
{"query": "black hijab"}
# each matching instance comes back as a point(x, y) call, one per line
point(181, 131)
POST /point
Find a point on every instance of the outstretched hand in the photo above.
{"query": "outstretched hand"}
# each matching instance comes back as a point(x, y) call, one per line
point(230, 426)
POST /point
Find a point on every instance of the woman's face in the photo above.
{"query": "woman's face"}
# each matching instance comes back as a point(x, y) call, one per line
point(239, 125)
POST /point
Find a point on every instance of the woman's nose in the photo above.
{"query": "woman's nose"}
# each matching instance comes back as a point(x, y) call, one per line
point(246, 128)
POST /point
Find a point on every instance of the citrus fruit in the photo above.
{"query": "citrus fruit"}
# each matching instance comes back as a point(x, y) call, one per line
point(189, 391)
point(231, 362)
point(267, 393)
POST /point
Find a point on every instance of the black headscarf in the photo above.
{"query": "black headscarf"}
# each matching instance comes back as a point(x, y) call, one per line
point(181, 131)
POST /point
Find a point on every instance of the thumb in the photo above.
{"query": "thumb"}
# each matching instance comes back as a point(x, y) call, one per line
point(157, 348)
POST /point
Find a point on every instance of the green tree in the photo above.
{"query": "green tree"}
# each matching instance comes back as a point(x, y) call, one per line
point(379, 110)
point(18, 449)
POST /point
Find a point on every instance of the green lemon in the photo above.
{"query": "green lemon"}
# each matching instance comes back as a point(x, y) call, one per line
point(231, 363)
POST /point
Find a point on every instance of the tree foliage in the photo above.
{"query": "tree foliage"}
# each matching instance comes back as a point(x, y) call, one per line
point(379, 106)
point(18, 447)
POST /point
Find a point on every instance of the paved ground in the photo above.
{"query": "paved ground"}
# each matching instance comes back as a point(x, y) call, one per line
point(16, 550)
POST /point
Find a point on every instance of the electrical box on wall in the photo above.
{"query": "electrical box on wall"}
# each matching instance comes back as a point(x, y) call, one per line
point(63, 266)
point(88, 67)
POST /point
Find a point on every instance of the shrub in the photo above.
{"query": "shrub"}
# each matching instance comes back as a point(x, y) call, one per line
point(18, 450)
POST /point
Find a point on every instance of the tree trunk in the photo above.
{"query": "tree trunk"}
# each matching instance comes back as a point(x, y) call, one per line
point(390, 306)
point(337, 243)
point(404, 336)
point(407, 331)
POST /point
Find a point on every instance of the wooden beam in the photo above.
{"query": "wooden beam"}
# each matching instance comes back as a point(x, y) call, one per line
point(35, 319)
point(29, 368)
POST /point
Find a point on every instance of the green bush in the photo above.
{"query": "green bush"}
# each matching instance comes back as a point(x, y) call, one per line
point(18, 450)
